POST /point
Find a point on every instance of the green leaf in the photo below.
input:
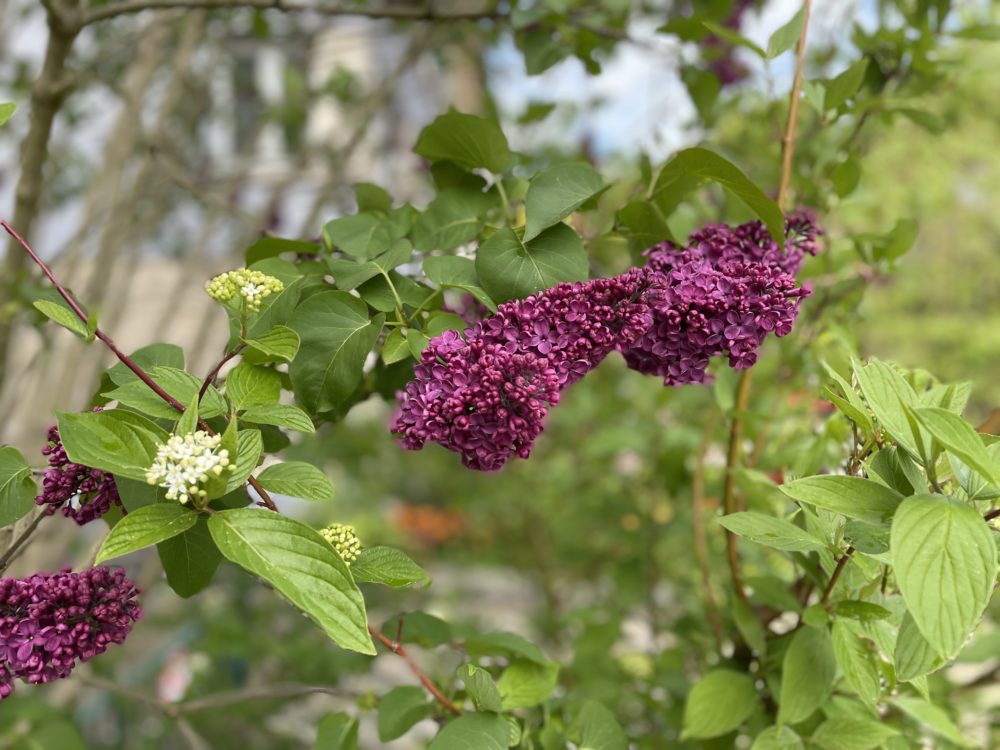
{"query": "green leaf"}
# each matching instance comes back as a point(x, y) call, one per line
point(250, 385)
point(846, 176)
point(786, 37)
point(270, 247)
point(557, 192)
point(148, 357)
point(116, 441)
point(512, 269)
point(846, 85)
point(145, 527)
point(363, 235)
point(190, 559)
point(598, 729)
point(399, 710)
point(807, 674)
point(336, 338)
point(771, 531)
point(466, 140)
point(188, 421)
point(65, 317)
point(371, 197)
point(989, 32)
point(301, 565)
point(861, 611)
point(694, 166)
point(421, 628)
point(777, 738)
point(504, 644)
point(957, 437)
point(297, 479)
point(350, 274)
point(249, 447)
point(857, 662)
point(481, 688)
point(453, 218)
point(473, 732)
point(525, 683)
point(718, 703)
point(395, 348)
point(934, 718)
point(6, 112)
point(183, 386)
point(337, 732)
point(280, 344)
point(457, 273)
point(277, 311)
point(280, 415)
point(17, 489)
point(644, 223)
point(914, 657)
point(853, 497)
point(842, 733)
point(734, 38)
point(945, 564)
point(390, 567)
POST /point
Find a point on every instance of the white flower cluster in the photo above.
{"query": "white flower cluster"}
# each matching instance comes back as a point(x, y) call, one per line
point(186, 462)
point(344, 541)
point(252, 286)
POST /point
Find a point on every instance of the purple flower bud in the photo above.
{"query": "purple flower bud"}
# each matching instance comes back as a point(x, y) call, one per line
point(93, 490)
point(49, 622)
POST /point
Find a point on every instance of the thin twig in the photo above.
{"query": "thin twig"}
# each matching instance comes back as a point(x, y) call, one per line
point(122, 357)
point(215, 370)
point(11, 553)
point(835, 576)
point(788, 141)
point(400, 13)
point(730, 502)
point(992, 514)
point(700, 537)
point(434, 690)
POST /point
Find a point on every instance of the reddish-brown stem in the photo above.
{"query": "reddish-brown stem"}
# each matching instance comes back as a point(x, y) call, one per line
point(434, 690)
point(992, 514)
point(788, 141)
point(122, 357)
point(835, 576)
point(215, 370)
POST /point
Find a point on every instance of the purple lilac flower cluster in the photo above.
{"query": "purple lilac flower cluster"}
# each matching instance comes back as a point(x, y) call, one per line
point(487, 394)
point(723, 294)
point(51, 621)
point(95, 490)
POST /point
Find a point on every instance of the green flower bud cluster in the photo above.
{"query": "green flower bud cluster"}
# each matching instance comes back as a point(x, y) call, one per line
point(252, 286)
point(344, 540)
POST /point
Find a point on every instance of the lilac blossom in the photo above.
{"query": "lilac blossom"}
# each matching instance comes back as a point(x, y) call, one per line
point(94, 490)
point(50, 622)
point(486, 395)
point(722, 295)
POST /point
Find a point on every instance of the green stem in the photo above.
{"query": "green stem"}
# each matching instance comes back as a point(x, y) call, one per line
point(503, 199)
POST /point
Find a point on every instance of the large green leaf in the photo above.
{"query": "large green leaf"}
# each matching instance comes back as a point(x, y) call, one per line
point(958, 438)
point(249, 448)
point(945, 563)
point(117, 441)
point(596, 728)
point(718, 703)
point(913, 656)
point(145, 527)
point(64, 316)
point(466, 140)
point(280, 344)
point(786, 37)
point(280, 415)
point(183, 386)
point(887, 393)
point(388, 566)
point(454, 217)
point(504, 644)
point(190, 559)
point(807, 674)
point(400, 709)
point(511, 268)
point(934, 718)
point(557, 192)
point(473, 732)
point(457, 273)
point(337, 731)
point(148, 357)
point(771, 531)
point(857, 662)
point(853, 497)
point(297, 479)
point(845, 733)
point(777, 738)
point(336, 337)
point(17, 489)
point(481, 688)
point(301, 565)
point(694, 166)
point(249, 385)
point(525, 684)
